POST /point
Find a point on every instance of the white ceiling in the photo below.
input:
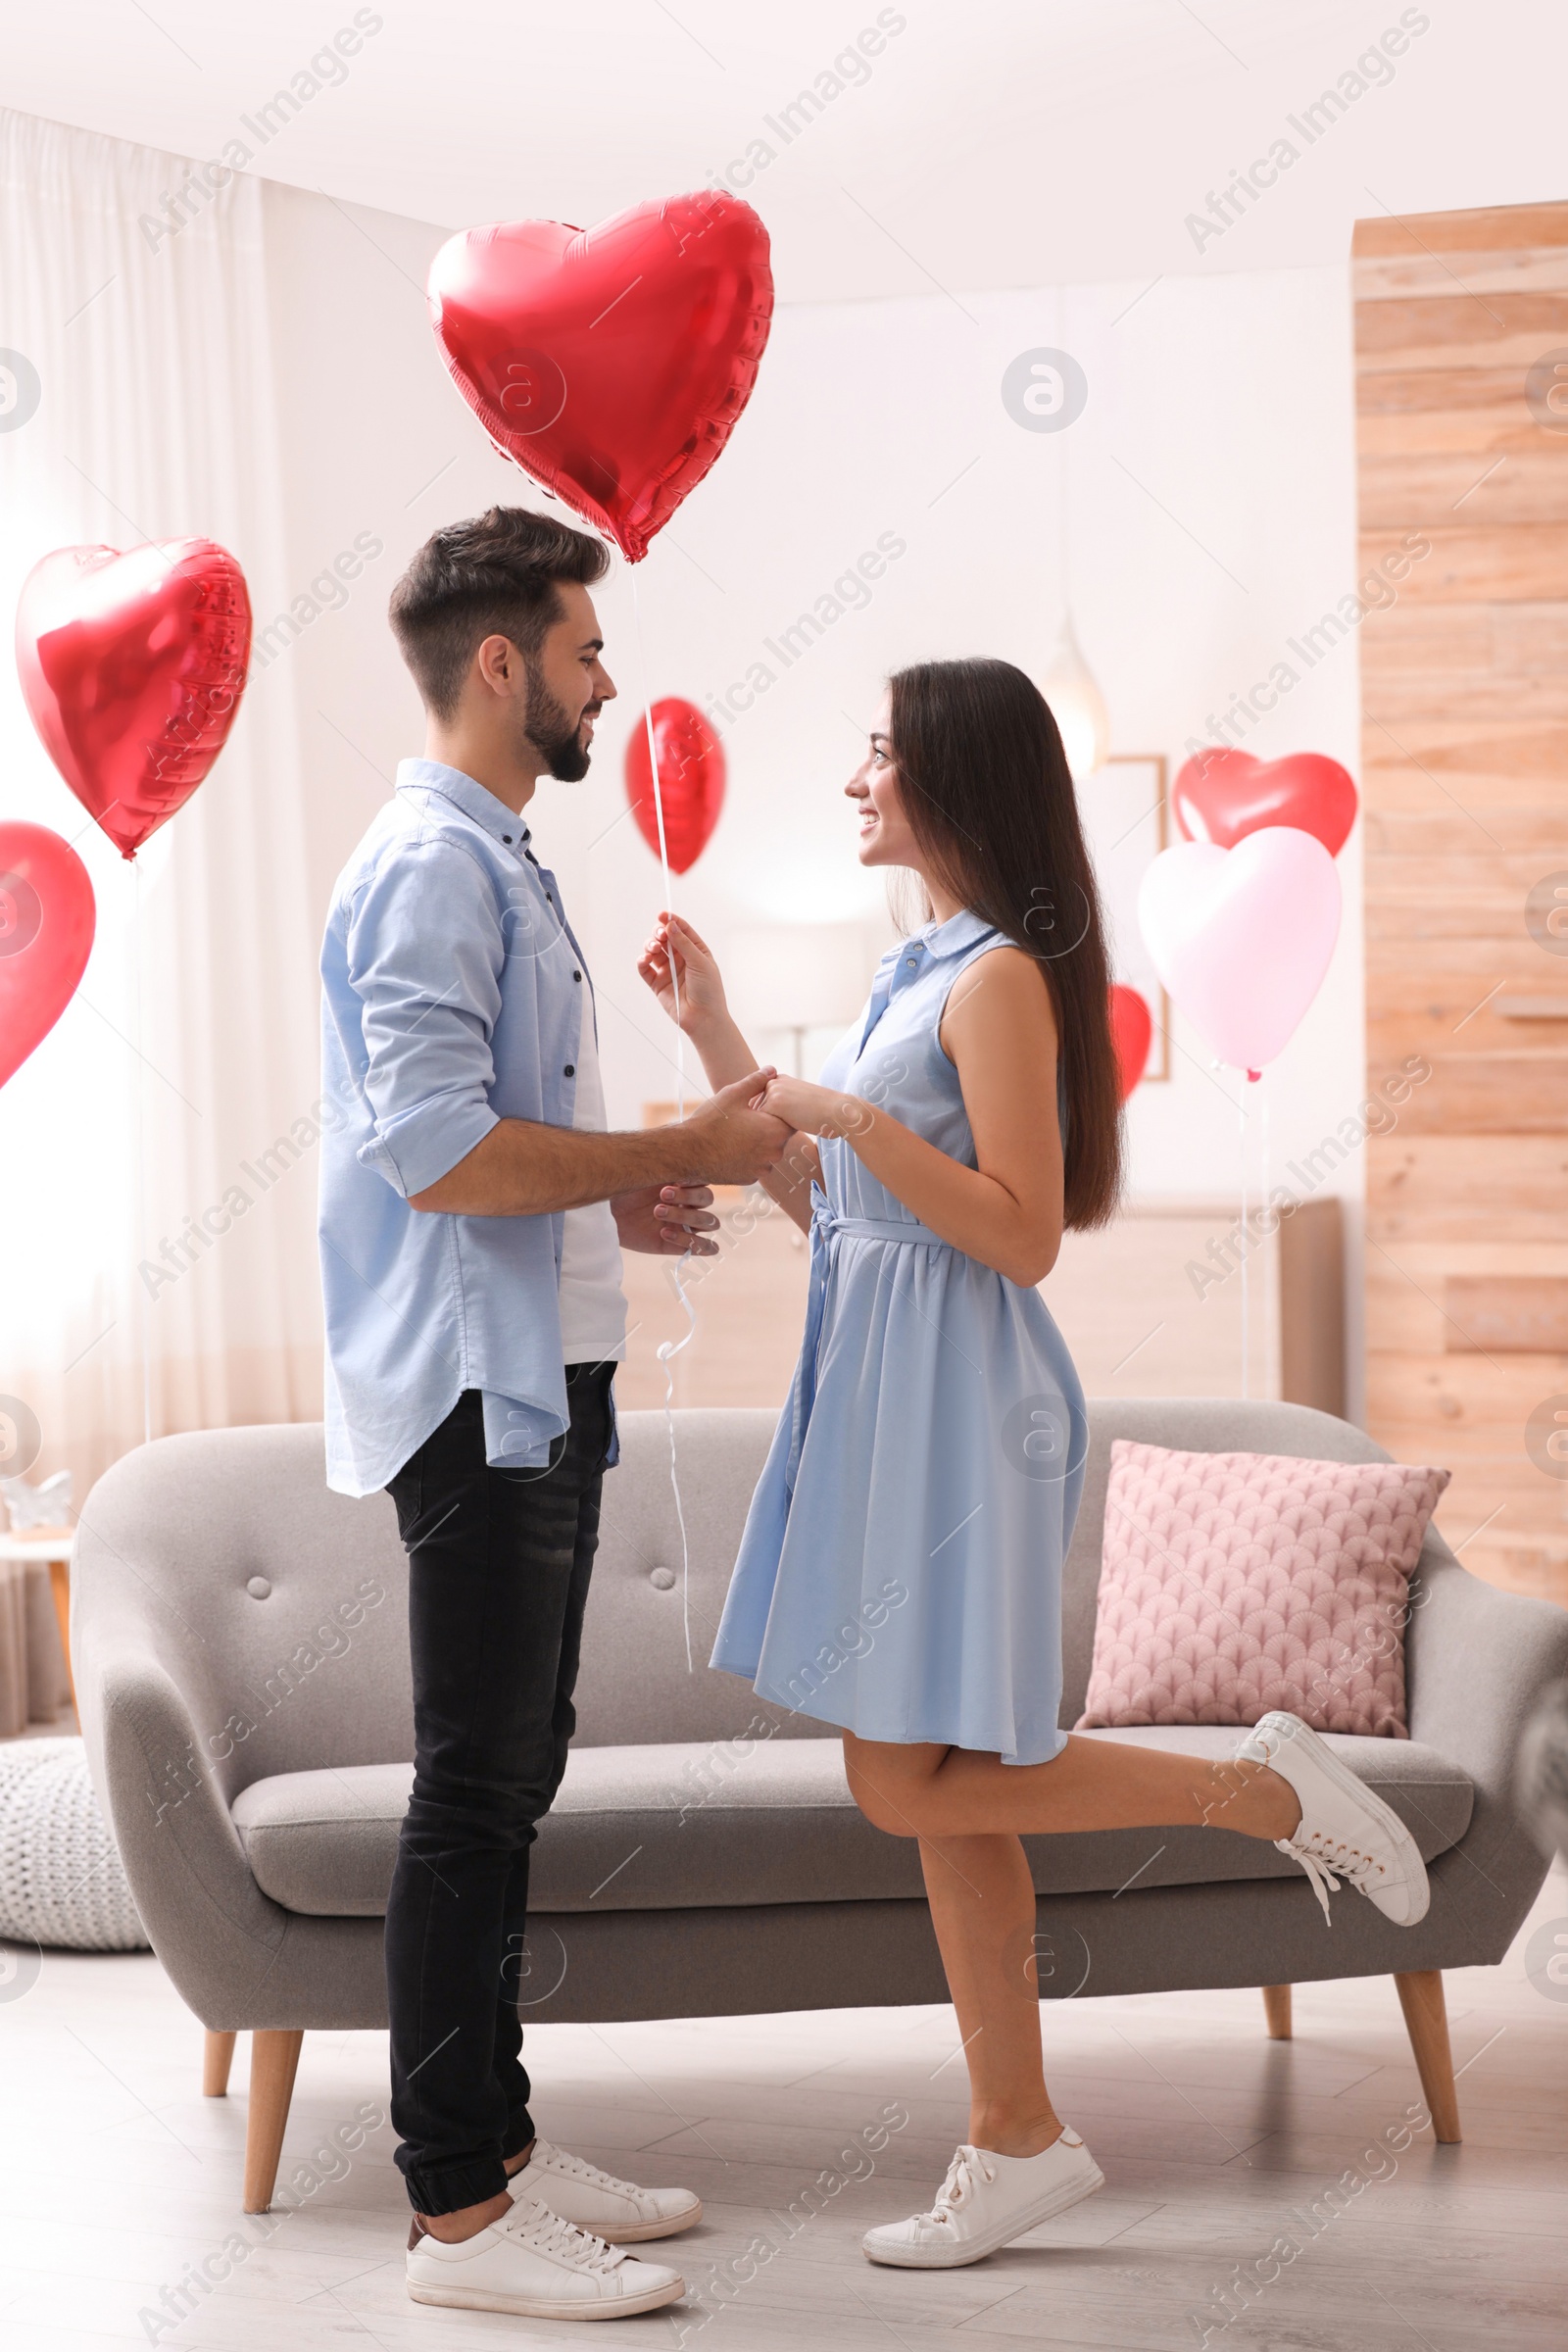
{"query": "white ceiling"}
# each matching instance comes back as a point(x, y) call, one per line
point(994, 142)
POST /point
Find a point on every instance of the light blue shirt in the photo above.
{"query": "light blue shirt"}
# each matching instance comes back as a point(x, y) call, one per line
point(451, 1000)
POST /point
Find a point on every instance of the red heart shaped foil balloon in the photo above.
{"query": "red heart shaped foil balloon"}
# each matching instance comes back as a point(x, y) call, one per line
point(690, 780)
point(47, 919)
point(1221, 796)
point(610, 363)
point(132, 666)
point(1131, 1033)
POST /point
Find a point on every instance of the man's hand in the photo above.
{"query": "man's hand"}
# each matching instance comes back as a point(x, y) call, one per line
point(732, 1141)
point(524, 1169)
point(666, 1220)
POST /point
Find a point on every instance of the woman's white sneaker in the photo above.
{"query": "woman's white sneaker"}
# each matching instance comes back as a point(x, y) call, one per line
point(581, 2193)
point(1345, 1832)
point(984, 2202)
point(537, 2265)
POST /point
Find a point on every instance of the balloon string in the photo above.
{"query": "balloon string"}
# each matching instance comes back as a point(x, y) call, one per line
point(139, 1190)
point(1271, 1286)
point(669, 1349)
point(1247, 1244)
point(663, 847)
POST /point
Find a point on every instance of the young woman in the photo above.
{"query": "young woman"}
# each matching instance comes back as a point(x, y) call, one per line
point(899, 1574)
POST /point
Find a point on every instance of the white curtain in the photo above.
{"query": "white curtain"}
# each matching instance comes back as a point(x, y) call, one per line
point(190, 1049)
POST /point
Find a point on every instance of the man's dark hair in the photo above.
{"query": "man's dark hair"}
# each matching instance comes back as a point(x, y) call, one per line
point(495, 575)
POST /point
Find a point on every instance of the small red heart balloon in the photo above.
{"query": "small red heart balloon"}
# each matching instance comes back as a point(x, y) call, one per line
point(47, 919)
point(1221, 796)
point(1131, 1033)
point(690, 780)
point(132, 666)
point(610, 362)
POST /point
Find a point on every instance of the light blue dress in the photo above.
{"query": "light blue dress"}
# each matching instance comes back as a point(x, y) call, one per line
point(900, 1570)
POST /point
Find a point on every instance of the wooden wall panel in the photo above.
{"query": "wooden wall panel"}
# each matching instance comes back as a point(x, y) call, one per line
point(1464, 686)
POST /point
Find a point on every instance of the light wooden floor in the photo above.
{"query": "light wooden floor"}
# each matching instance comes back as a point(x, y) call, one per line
point(117, 2175)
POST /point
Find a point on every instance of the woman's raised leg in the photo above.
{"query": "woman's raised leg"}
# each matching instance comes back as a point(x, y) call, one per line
point(923, 1790)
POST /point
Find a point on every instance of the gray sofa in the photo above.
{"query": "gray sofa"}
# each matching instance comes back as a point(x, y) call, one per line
point(241, 1651)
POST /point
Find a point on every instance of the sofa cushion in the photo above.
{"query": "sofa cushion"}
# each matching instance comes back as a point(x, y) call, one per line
point(716, 1823)
point(1233, 1584)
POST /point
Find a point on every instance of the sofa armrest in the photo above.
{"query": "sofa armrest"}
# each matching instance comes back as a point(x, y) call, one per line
point(1477, 1662)
point(210, 1923)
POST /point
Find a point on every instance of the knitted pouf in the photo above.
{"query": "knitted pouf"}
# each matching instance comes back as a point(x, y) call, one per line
point(61, 1882)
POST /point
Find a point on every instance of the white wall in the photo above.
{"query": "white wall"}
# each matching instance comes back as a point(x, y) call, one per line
point(1210, 492)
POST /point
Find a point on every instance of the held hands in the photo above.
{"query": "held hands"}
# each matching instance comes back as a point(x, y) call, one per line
point(735, 1141)
point(677, 959)
point(816, 1109)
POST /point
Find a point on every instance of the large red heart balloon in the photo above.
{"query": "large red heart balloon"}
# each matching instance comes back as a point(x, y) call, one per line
point(1131, 1033)
point(690, 780)
point(610, 363)
point(132, 666)
point(47, 919)
point(1221, 796)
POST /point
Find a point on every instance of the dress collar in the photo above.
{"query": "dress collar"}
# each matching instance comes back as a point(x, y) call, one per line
point(959, 931)
point(430, 775)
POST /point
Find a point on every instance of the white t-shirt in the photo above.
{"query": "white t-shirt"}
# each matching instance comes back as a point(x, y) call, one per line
point(593, 1305)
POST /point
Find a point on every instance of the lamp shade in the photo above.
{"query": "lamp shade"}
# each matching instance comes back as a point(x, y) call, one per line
point(798, 975)
point(1078, 706)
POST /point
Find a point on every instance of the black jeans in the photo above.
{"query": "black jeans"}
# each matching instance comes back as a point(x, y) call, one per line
point(499, 1562)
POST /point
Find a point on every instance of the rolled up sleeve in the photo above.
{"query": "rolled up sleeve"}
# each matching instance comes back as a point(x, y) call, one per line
point(425, 955)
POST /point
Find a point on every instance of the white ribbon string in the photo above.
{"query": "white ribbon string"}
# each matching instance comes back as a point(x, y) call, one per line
point(1272, 1278)
point(669, 1349)
point(1246, 1250)
point(140, 1145)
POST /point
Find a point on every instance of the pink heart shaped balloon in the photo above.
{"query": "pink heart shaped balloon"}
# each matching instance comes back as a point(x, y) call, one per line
point(1241, 938)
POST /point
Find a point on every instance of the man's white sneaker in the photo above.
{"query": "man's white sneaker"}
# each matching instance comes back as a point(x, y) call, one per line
point(595, 2200)
point(1345, 1832)
point(984, 2202)
point(536, 2266)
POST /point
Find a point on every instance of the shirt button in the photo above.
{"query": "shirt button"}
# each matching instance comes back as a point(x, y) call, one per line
point(570, 1070)
point(576, 975)
point(506, 838)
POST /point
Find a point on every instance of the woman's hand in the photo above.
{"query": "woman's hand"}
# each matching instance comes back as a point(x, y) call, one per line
point(816, 1109)
point(677, 964)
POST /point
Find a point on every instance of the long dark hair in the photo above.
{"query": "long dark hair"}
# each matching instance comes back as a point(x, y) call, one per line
point(985, 789)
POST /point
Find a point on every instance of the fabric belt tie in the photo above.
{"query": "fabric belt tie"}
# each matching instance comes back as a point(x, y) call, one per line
point(827, 1228)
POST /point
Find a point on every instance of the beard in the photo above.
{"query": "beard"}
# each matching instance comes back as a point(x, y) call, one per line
point(552, 733)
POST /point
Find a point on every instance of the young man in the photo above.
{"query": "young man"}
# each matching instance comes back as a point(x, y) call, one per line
point(473, 1215)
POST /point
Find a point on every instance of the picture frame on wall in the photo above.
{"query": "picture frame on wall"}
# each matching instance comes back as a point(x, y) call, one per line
point(1122, 808)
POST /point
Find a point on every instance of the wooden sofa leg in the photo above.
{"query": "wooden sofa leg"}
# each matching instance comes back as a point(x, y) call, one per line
point(1426, 2017)
point(274, 2056)
point(1277, 2010)
point(217, 2059)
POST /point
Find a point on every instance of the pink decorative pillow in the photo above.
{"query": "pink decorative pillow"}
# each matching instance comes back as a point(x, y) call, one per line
point(1234, 1582)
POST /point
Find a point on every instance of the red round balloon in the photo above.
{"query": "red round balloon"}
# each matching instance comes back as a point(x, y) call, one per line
point(47, 919)
point(690, 780)
point(132, 666)
point(1132, 1032)
point(610, 362)
point(1221, 796)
